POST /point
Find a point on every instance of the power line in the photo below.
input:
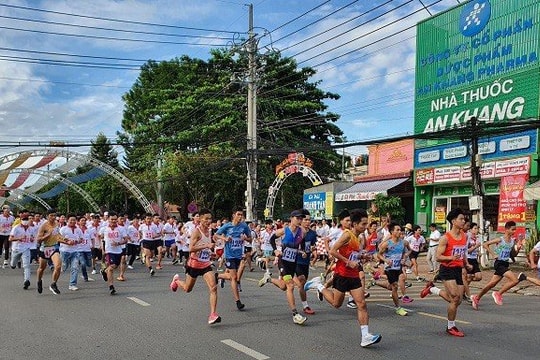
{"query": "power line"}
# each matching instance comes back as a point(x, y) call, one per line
point(117, 20)
point(300, 16)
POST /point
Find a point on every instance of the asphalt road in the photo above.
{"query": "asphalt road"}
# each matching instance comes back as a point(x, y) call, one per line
point(145, 320)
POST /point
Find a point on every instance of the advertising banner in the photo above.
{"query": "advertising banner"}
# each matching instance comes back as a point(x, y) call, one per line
point(512, 206)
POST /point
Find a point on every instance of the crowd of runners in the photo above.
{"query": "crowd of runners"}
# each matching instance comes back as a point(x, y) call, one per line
point(358, 251)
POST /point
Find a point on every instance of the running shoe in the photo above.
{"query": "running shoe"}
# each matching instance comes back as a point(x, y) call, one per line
point(112, 290)
point(401, 311)
point(239, 305)
point(73, 288)
point(313, 283)
point(299, 319)
point(103, 274)
point(130, 267)
point(475, 301)
point(352, 305)
point(497, 297)
point(152, 272)
point(366, 295)
point(308, 310)
point(266, 278)
point(522, 277)
point(370, 339)
point(214, 318)
point(426, 290)
point(408, 271)
point(174, 285)
point(26, 284)
point(455, 332)
point(40, 286)
point(467, 298)
point(408, 284)
point(370, 284)
point(94, 272)
point(54, 289)
point(376, 275)
point(406, 300)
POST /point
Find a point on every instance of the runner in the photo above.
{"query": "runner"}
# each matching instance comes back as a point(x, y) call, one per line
point(134, 244)
point(451, 255)
point(292, 240)
point(114, 237)
point(22, 238)
point(150, 235)
point(416, 242)
point(71, 238)
point(48, 241)
point(473, 274)
point(346, 275)
point(85, 248)
point(234, 234)
point(393, 253)
point(199, 263)
point(501, 254)
point(6, 222)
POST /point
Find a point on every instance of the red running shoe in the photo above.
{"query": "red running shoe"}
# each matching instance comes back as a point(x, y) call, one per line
point(174, 285)
point(426, 290)
point(309, 311)
point(455, 332)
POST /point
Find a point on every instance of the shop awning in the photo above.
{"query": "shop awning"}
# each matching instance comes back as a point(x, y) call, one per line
point(532, 191)
point(368, 189)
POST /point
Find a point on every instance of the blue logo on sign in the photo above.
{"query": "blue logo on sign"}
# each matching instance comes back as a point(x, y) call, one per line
point(474, 17)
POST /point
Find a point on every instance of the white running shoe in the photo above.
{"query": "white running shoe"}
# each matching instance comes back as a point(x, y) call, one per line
point(313, 283)
point(266, 278)
point(370, 339)
point(73, 288)
point(299, 319)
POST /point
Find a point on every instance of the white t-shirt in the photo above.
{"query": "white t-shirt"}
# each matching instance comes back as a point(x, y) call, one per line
point(434, 238)
point(111, 236)
point(69, 233)
point(27, 236)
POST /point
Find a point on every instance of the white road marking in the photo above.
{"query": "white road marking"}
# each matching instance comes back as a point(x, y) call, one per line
point(244, 349)
point(139, 301)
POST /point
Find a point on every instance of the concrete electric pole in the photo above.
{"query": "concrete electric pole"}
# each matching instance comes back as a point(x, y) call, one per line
point(251, 158)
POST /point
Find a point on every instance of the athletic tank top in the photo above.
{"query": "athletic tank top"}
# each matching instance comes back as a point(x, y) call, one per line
point(455, 247)
point(201, 259)
point(352, 252)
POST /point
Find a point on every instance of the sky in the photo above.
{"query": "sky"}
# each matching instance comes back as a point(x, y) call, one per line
point(64, 65)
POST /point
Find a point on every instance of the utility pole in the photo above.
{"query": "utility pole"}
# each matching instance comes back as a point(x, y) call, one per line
point(251, 158)
point(477, 188)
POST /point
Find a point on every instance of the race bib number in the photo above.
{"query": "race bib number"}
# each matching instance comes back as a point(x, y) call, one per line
point(289, 254)
point(504, 254)
point(204, 255)
point(354, 256)
point(395, 263)
point(236, 243)
point(48, 251)
point(459, 251)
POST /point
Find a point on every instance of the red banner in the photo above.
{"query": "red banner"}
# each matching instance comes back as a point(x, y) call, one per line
point(512, 206)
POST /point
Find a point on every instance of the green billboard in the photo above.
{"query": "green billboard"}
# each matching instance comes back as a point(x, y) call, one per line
point(478, 59)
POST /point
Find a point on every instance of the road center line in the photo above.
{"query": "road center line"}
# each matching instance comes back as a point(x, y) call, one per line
point(244, 349)
point(442, 317)
point(139, 301)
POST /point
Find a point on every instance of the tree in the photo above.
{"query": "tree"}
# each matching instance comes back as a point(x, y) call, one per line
point(190, 109)
point(390, 205)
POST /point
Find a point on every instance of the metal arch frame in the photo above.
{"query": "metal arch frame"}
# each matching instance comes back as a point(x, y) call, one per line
point(280, 179)
point(33, 196)
point(123, 180)
point(63, 180)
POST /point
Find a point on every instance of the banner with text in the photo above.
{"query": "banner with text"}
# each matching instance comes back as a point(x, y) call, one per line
point(512, 205)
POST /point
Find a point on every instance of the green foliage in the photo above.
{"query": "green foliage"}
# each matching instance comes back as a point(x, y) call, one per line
point(390, 205)
point(190, 112)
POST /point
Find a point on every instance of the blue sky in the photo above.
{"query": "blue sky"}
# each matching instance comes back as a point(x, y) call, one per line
point(43, 102)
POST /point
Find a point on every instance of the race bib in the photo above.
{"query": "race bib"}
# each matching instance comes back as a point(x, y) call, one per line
point(459, 251)
point(354, 256)
point(289, 254)
point(48, 251)
point(204, 255)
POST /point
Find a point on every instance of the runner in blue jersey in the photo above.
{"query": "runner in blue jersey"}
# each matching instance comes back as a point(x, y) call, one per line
point(501, 253)
point(292, 237)
point(233, 234)
point(303, 260)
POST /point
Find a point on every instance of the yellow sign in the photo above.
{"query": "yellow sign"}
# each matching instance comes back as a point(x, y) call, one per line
point(440, 217)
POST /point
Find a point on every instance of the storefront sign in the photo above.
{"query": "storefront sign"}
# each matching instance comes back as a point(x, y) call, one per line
point(488, 170)
point(512, 206)
point(316, 204)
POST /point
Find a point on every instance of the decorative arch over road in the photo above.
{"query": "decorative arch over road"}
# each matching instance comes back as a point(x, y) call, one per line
point(77, 188)
point(295, 163)
point(48, 155)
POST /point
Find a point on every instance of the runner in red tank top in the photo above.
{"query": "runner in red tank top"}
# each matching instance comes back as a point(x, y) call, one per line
point(451, 254)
